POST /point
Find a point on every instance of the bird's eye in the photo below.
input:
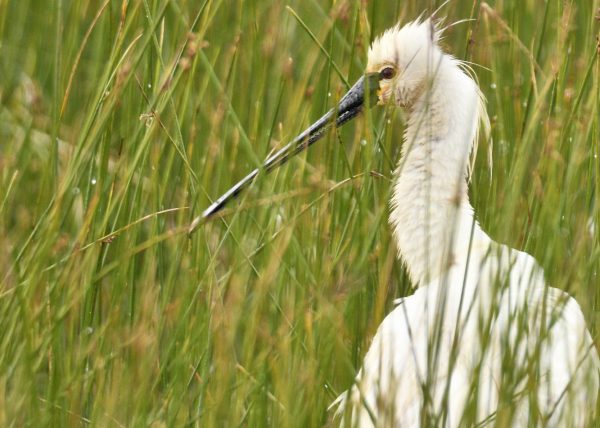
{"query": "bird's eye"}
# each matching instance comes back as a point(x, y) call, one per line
point(387, 73)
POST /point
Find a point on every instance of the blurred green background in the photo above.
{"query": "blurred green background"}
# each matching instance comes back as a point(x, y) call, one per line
point(121, 120)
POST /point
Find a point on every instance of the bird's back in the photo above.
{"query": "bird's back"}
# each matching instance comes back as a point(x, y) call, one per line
point(493, 345)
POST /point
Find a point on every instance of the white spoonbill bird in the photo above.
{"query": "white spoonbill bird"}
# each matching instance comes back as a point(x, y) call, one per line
point(483, 341)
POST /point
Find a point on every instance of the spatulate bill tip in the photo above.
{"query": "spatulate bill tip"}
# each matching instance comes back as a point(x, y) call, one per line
point(196, 223)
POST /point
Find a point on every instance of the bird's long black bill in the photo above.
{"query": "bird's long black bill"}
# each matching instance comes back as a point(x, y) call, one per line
point(350, 105)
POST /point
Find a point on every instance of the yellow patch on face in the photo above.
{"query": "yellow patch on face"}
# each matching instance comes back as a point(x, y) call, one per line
point(384, 92)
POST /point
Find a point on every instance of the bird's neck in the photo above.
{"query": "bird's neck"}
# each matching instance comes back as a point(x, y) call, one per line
point(431, 214)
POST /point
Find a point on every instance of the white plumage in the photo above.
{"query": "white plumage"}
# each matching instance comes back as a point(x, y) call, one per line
point(483, 339)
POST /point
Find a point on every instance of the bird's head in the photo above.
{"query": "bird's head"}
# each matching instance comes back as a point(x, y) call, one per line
point(404, 58)
point(401, 64)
